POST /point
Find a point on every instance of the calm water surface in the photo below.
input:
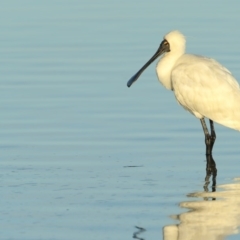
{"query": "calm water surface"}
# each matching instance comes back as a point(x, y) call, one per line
point(83, 156)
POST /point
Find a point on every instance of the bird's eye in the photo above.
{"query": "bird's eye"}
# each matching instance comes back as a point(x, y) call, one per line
point(165, 45)
point(165, 42)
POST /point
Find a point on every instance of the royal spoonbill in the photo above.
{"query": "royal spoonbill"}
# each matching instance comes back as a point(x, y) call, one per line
point(201, 85)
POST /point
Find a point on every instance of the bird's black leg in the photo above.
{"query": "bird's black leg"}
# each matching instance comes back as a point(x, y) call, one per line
point(211, 170)
point(208, 138)
point(209, 141)
point(213, 134)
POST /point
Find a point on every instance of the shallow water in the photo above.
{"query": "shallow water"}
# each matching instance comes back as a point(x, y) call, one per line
point(83, 156)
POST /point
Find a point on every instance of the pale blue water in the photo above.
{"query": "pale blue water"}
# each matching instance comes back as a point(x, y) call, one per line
point(70, 128)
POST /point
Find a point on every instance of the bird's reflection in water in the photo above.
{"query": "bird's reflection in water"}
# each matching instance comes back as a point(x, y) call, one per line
point(214, 216)
point(211, 170)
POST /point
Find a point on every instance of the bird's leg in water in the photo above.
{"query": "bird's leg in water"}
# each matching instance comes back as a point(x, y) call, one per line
point(208, 138)
point(211, 169)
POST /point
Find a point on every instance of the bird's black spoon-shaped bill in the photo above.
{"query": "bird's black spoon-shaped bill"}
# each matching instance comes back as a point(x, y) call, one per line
point(162, 48)
point(134, 78)
point(137, 75)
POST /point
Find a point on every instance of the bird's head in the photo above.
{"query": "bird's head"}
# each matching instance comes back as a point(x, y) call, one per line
point(173, 42)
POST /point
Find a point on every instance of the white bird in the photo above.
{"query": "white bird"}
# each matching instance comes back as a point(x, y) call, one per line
point(201, 85)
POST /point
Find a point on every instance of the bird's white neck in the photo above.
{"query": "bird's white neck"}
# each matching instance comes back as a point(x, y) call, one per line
point(165, 66)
